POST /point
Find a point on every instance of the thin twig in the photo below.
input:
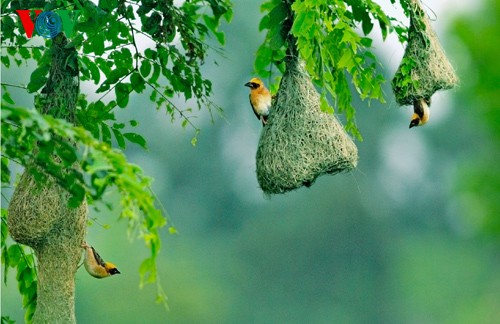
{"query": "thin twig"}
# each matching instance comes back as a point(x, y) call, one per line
point(4, 197)
point(114, 86)
point(14, 86)
point(173, 105)
point(134, 44)
point(11, 159)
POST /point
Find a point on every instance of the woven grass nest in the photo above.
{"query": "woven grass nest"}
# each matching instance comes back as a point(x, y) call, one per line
point(39, 212)
point(424, 59)
point(300, 142)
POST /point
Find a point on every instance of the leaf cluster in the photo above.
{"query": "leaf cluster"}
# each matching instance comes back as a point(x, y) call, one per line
point(88, 170)
point(325, 35)
point(108, 37)
point(16, 256)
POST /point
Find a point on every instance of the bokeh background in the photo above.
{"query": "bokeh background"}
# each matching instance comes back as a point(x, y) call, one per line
point(411, 236)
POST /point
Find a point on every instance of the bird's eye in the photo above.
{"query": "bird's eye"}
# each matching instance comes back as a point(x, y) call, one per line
point(255, 85)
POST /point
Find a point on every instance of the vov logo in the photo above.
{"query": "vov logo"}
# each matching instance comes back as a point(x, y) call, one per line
point(48, 24)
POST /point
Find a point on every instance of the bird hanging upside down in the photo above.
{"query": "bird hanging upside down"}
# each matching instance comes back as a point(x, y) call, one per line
point(95, 265)
point(421, 112)
point(260, 99)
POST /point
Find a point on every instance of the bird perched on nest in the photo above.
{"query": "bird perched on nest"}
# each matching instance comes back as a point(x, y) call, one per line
point(420, 112)
point(260, 99)
point(95, 265)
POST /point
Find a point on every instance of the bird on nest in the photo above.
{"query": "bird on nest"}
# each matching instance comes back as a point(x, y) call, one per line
point(260, 99)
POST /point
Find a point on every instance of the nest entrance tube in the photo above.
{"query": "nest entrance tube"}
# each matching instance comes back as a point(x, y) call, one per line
point(424, 68)
point(300, 141)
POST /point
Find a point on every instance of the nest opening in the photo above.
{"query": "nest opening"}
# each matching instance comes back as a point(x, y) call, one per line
point(300, 141)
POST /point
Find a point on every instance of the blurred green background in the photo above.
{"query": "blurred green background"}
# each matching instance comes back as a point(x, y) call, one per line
point(411, 236)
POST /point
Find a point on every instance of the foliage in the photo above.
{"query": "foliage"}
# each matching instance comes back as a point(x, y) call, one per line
point(107, 38)
point(101, 167)
point(16, 256)
point(479, 181)
point(327, 39)
point(113, 61)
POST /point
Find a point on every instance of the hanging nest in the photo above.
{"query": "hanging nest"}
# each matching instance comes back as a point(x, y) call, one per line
point(424, 68)
point(37, 211)
point(40, 211)
point(39, 216)
point(300, 142)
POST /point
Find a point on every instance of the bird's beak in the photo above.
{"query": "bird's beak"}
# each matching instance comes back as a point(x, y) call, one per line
point(414, 123)
point(248, 84)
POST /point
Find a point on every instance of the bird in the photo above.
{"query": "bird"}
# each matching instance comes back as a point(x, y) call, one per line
point(421, 112)
point(260, 99)
point(95, 265)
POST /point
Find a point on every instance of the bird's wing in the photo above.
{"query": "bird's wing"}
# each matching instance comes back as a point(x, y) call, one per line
point(98, 257)
point(418, 109)
point(253, 108)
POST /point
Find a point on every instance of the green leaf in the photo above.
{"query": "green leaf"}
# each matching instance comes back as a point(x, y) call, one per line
point(104, 87)
point(276, 40)
point(38, 78)
point(221, 37)
point(5, 174)
point(269, 5)
point(145, 68)
point(106, 133)
point(137, 82)
point(346, 61)
point(15, 254)
point(94, 44)
point(325, 106)
point(122, 92)
point(5, 60)
point(95, 74)
point(147, 270)
point(136, 138)
point(366, 42)
point(66, 152)
point(211, 23)
point(263, 58)
point(156, 74)
point(119, 138)
point(7, 98)
point(278, 13)
point(24, 52)
point(77, 196)
point(116, 75)
point(122, 59)
point(7, 320)
point(303, 23)
point(150, 54)
point(265, 23)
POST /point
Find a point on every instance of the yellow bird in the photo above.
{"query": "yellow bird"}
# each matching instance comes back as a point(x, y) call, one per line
point(260, 99)
point(421, 112)
point(95, 265)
